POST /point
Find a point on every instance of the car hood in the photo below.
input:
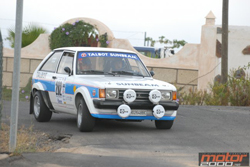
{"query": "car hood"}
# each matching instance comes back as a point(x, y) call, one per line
point(126, 82)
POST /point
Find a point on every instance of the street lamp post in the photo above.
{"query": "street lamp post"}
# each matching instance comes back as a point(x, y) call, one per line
point(224, 57)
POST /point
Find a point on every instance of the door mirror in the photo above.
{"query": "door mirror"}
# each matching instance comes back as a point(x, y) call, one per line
point(67, 70)
point(152, 73)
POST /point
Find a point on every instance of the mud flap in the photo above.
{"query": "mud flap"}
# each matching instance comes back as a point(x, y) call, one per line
point(31, 103)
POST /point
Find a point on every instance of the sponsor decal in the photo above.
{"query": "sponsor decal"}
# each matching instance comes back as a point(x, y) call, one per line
point(108, 54)
point(135, 84)
point(74, 89)
point(59, 101)
point(154, 96)
point(129, 96)
point(224, 159)
point(94, 92)
point(41, 74)
point(67, 98)
point(83, 55)
point(123, 111)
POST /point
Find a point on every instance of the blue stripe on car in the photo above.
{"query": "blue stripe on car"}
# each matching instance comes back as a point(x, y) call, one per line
point(70, 86)
point(104, 116)
point(49, 85)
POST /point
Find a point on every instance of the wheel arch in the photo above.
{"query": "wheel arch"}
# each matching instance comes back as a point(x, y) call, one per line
point(37, 87)
point(78, 97)
point(83, 92)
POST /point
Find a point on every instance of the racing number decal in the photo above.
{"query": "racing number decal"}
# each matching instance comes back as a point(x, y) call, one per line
point(60, 89)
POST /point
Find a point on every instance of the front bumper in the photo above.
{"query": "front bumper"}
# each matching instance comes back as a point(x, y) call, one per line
point(114, 104)
point(108, 110)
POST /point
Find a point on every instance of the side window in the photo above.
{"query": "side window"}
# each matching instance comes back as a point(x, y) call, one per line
point(51, 64)
point(66, 61)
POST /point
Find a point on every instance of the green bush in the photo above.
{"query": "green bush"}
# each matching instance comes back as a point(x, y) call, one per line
point(218, 94)
point(236, 92)
point(76, 34)
point(239, 91)
point(192, 97)
point(103, 40)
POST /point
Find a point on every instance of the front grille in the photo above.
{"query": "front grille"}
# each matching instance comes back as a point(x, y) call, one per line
point(140, 94)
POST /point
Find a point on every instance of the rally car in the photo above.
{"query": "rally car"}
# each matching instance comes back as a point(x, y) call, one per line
point(100, 83)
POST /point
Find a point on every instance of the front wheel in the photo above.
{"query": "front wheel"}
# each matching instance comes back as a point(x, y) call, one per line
point(163, 124)
point(41, 111)
point(85, 122)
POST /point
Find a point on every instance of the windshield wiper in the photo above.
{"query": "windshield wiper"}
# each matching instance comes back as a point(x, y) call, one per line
point(136, 74)
point(97, 72)
point(128, 72)
point(123, 72)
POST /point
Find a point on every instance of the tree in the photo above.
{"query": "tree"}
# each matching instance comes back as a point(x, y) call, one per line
point(165, 41)
point(29, 34)
point(148, 39)
point(162, 40)
point(177, 44)
point(76, 34)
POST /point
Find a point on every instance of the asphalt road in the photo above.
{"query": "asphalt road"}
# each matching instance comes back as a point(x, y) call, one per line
point(196, 129)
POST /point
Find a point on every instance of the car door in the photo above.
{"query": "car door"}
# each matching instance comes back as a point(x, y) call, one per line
point(63, 100)
point(46, 73)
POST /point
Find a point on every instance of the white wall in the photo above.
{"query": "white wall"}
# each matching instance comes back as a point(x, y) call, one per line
point(238, 39)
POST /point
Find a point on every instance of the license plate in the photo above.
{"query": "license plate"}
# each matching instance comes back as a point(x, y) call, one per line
point(138, 113)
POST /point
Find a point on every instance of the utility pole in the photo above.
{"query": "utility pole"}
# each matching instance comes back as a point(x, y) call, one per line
point(145, 36)
point(1, 76)
point(224, 57)
point(16, 76)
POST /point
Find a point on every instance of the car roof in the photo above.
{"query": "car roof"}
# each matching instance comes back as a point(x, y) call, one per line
point(144, 48)
point(98, 49)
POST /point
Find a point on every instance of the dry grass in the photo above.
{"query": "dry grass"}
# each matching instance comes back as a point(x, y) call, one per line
point(27, 140)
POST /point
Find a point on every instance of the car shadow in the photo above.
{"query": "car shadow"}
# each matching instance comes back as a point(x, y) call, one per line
point(68, 123)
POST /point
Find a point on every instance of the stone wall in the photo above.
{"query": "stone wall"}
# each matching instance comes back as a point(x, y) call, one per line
point(185, 78)
point(178, 77)
point(28, 66)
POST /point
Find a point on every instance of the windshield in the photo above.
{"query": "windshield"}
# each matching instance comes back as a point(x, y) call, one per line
point(110, 63)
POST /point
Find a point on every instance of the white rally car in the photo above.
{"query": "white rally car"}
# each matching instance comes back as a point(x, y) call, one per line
point(100, 83)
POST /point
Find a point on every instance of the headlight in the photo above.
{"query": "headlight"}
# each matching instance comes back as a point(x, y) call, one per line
point(165, 95)
point(112, 94)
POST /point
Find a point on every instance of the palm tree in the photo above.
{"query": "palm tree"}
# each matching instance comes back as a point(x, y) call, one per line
point(177, 44)
point(167, 41)
point(161, 39)
point(152, 43)
point(29, 34)
point(147, 40)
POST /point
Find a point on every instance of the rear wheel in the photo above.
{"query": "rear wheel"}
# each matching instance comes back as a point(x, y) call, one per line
point(163, 124)
point(41, 111)
point(85, 122)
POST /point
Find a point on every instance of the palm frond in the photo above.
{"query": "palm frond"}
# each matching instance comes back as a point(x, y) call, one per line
point(29, 34)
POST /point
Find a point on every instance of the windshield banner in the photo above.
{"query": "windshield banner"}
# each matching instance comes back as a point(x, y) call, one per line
point(107, 54)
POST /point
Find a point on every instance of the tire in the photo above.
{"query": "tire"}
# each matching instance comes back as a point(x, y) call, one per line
point(85, 122)
point(40, 110)
point(163, 124)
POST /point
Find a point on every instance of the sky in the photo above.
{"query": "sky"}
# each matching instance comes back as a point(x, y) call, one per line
point(130, 19)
